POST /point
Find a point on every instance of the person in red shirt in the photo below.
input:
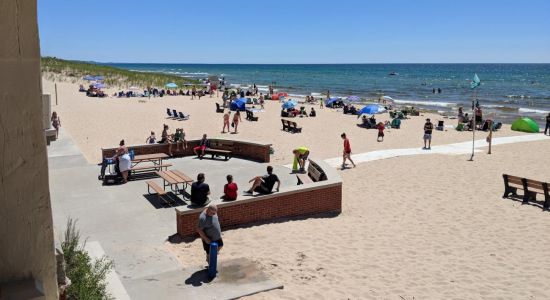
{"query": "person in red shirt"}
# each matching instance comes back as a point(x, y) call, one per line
point(380, 128)
point(347, 152)
point(230, 189)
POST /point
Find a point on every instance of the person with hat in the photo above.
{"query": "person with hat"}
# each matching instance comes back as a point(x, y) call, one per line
point(428, 128)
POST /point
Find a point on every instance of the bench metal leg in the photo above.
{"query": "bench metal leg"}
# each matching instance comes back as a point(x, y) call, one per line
point(546, 205)
point(528, 195)
point(507, 188)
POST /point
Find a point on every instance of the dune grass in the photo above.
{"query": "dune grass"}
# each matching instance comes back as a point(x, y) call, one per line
point(60, 69)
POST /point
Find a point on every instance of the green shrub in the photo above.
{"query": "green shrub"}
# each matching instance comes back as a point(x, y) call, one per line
point(87, 276)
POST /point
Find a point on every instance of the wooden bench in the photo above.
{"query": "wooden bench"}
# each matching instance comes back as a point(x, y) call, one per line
point(160, 192)
point(294, 127)
point(286, 125)
point(530, 189)
point(218, 152)
point(314, 174)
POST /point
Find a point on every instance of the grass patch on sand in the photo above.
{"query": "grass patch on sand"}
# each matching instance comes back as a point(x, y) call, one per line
point(73, 71)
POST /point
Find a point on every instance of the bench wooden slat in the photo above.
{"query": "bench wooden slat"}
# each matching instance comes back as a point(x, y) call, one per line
point(153, 167)
point(156, 187)
point(304, 178)
point(183, 176)
point(167, 177)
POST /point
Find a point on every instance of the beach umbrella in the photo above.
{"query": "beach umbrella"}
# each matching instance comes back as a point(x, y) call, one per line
point(353, 99)
point(99, 85)
point(331, 100)
point(387, 98)
point(371, 109)
point(289, 104)
point(238, 104)
point(99, 78)
point(171, 85)
point(89, 78)
point(134, 88)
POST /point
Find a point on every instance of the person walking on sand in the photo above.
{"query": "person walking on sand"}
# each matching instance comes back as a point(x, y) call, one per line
point(209, 229)
point(56, 123)
point(547, 124)
point(226, 117)
point(380, 128)
point(347, 151)
point(236, 120)
point(428, 128)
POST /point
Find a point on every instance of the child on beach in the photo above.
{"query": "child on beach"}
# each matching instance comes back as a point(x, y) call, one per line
point(179, 137)
point(380, 128)
point(151, 139)
point(56, 123)
point(230, 189)
point(347, 151)
point(261, 100)
point(226, 117)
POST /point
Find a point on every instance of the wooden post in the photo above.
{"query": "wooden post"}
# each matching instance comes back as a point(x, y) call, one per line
point(55, 93)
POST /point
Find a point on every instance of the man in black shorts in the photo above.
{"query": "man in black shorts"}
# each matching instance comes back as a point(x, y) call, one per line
point(264, 184)
point(209, 229)
point(428, 128)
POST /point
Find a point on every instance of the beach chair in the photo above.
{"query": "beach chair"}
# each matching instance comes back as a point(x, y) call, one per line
point(294, 127)
point(286, 125)
point(182, 116)
point(440, 125)
point(169, 113)
point(497, 126)
point(175, 113)
point(395, 123)
point(218, 108)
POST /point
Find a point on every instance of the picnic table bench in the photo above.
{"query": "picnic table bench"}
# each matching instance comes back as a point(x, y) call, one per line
point(160, 192)
point(530, 189)
point(218, 152)
point(314, 174)
point(155, 158)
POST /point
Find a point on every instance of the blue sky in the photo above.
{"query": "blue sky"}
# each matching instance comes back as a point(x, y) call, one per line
point(283, 31)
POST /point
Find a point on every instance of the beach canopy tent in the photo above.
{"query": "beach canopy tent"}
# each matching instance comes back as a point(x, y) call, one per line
point(289, 104)
point(99, 78)
point(238, 104)
point(99, 85)
point(353, 99)
point(171, 85)
point(371, 110)
point(525, 125)
point(89, 78)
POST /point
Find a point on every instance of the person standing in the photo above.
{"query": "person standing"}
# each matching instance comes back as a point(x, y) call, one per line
point(226, 117)
point(428, 128)
point(380, 128)
point(56, 123)
point(347, 151)
point(547, 124)
point(236, 120)
point(209, 229)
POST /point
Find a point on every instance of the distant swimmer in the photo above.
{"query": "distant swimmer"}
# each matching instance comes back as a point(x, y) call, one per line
point(438, 90)
point(433, 90)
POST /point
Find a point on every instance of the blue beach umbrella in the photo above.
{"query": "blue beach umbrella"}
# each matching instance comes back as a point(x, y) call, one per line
point(289, 104)
point(238, 104)
point(88, 78)
point(371, 110)
point(98, 77)
point(353, 99)
point(171, 85)
point(331, 100)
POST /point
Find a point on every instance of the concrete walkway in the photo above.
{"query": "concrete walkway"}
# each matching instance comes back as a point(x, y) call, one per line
point(128, 226)
point(449, 149)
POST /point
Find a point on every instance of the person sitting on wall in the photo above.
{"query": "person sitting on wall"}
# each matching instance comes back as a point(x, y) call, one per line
point(230, 189)
point(203, 144)
point(200, 191)
point(264, 184)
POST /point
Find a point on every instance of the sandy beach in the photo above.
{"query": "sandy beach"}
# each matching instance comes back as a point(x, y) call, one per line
point(415, 227)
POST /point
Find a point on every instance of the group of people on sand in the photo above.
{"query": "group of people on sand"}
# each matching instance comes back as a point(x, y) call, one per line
point(263, 185)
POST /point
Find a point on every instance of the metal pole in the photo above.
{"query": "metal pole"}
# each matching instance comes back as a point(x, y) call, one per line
point(213, 263)
point(474, 125)
point(55, 93)
point(490, 136)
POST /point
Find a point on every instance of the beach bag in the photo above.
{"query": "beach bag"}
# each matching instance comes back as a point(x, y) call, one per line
point(232, 124)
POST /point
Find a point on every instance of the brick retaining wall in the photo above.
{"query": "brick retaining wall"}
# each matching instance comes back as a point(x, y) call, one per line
point(243, 149)
point(302, 200)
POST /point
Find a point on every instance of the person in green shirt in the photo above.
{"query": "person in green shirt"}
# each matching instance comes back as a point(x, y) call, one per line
point(300, 157)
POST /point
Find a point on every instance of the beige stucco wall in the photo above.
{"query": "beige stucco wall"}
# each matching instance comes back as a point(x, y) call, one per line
point(26, 232)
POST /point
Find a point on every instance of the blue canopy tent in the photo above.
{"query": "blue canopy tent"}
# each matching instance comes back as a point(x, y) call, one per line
point(238, 104)
point(371, 110)
point(99, 78)
point(289, 104)
point(99, 85)
point(171, 85)
point(89, 78)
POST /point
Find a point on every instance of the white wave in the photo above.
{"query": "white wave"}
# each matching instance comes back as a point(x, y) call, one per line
point(535, 111)
point(493, 106)
point(426, 103)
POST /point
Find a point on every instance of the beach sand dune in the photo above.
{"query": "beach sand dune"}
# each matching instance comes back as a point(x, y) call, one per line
point(414, 227)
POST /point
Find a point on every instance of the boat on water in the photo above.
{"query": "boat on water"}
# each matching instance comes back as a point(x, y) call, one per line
point(393, 74)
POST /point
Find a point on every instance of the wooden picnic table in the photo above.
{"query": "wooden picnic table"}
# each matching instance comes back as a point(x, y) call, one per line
point(155, 158)
point(173, 179)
